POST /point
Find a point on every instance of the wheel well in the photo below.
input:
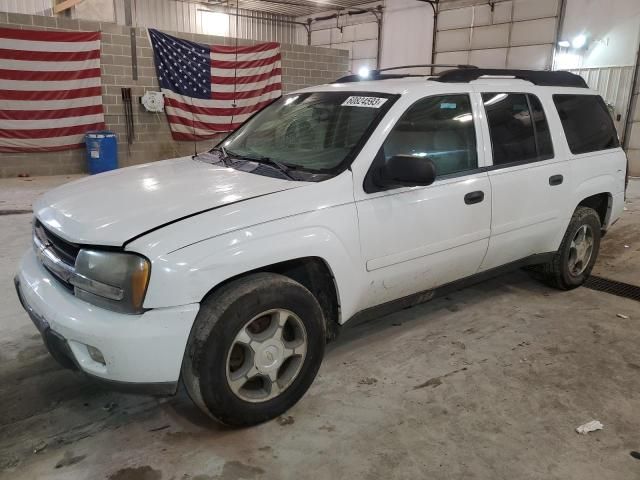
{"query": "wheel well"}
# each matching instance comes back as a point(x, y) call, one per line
point(315, 275)
point(601, 203)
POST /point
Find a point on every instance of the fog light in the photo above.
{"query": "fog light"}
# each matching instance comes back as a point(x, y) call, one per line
point(96, 355)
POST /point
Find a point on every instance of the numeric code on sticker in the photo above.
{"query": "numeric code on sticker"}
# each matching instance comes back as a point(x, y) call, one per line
point(368, 102)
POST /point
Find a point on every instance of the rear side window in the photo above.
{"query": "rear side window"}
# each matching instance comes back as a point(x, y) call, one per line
point(586, 122)
point(518, 128)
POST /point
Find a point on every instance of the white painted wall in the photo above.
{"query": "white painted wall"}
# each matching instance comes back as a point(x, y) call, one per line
point(612, 28)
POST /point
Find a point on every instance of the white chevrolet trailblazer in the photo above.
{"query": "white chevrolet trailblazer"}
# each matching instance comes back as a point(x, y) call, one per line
point(231, 269)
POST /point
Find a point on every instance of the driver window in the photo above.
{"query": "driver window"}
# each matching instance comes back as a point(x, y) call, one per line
point(439, 127)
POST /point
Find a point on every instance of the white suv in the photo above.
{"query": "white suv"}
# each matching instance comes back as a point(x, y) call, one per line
point(231, 269)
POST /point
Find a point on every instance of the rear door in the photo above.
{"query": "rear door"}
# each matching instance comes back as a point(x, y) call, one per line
point(529, 176)
point(416, 238)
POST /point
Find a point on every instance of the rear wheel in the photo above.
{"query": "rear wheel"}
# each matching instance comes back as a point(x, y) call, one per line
point(572, 263)
point(254, 350)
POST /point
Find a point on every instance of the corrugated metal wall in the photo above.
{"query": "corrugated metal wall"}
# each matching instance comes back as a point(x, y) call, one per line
point(179, 16)
point(30, 7)
point(614, 84)
point(192, 17)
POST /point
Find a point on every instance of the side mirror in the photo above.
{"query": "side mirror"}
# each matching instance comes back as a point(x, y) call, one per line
point(406, 171)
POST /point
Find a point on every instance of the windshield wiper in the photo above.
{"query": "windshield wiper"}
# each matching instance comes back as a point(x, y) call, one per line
point(273, 163)
point(225, 157)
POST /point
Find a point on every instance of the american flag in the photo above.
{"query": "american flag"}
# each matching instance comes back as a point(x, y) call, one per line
point(50, 91)
point(210, 89)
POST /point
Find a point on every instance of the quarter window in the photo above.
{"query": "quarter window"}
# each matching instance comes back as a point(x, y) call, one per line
point(440, 128)
point(586, 123)
point(518, 128)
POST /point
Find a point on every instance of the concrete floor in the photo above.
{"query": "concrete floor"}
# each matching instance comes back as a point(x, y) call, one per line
point(488, 383)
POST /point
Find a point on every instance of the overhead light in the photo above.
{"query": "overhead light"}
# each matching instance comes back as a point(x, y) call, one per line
point(215, 23)
point(579, 41)
point(363, 72)
point(564, 43)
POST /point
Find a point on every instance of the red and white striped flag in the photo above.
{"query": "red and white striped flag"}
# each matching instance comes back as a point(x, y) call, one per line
point(50, 91)
point(210, 89)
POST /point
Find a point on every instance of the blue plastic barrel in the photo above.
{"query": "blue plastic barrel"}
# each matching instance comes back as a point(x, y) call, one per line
point(102, 151)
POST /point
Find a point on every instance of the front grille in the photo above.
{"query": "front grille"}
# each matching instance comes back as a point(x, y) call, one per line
point(65, 250)
point(613, 287)
point(57, 255)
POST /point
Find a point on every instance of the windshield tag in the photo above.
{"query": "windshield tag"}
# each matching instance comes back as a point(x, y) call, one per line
point(369, 102)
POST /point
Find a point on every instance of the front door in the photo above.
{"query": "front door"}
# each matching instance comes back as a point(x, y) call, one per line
point(417, 238)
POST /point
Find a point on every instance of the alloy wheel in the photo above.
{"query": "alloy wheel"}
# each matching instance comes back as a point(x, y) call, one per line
point(580, 250)
point(266, 355)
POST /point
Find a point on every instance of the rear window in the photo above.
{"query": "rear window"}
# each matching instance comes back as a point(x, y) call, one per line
point(586, 122)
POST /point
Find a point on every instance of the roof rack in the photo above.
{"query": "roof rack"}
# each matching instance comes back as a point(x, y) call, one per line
point(537, 77)
point(378, 75)
point(428, 65)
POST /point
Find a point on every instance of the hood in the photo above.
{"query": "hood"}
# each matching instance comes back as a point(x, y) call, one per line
point(111, 208)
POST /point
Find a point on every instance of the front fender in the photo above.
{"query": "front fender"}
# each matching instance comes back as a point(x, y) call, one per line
point(186, 275)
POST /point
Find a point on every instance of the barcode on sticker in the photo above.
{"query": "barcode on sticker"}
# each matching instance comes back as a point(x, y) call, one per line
point(369, 102)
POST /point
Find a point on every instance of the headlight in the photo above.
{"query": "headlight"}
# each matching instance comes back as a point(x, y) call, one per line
point(112, 280)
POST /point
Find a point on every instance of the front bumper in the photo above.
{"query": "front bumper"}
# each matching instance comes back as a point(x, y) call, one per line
point(141, 352)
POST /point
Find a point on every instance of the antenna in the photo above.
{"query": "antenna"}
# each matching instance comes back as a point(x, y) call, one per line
point(235, 70)
point(193, 126)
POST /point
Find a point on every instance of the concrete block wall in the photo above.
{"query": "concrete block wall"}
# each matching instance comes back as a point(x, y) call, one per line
point(302, 66)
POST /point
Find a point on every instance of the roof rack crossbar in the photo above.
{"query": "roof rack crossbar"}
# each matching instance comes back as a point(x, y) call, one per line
point(537, 77)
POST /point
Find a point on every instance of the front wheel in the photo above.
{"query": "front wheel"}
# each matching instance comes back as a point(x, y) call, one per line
point(254, 350)
point(572, 263)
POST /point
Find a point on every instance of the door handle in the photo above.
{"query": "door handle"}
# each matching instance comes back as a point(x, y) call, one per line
point(555, 180)
point(474, 197)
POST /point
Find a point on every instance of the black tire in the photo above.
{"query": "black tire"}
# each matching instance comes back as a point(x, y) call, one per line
point(221, 316)
point(557, 273)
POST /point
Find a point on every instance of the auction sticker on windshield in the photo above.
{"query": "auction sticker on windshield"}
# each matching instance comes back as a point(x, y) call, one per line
point(369, 102)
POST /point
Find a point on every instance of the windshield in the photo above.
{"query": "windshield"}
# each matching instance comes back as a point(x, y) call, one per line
point(316, 132)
